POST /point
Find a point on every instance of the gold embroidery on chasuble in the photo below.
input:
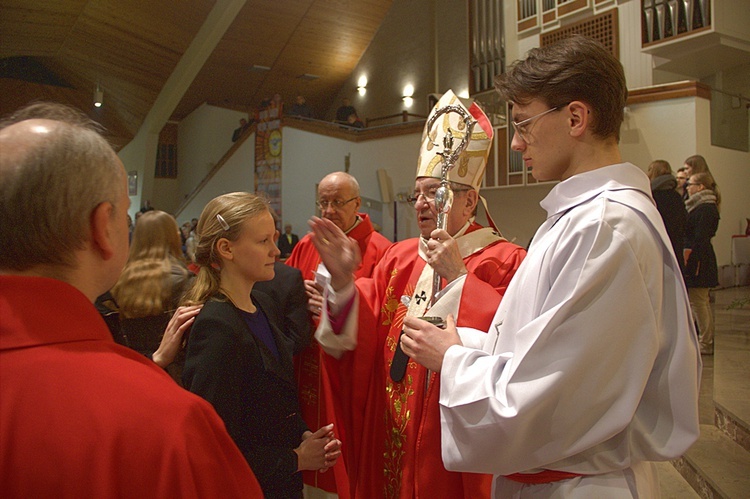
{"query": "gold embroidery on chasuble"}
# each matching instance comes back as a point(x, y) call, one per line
point(397, 414)
point(390, 302)
point(392, 310)
point(397, 417)
point(308, 396)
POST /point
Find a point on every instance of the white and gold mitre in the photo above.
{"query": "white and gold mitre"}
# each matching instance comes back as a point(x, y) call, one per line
point(469, 169)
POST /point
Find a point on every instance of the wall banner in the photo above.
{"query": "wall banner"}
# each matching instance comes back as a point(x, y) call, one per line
point(268, 141)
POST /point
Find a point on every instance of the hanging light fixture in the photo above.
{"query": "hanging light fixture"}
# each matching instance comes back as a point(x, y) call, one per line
point(98, 96)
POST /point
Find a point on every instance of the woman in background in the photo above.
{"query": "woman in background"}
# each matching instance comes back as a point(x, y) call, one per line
point(701, 272)
point(153, 281)
point(670, 204)
point(237, 357)
point(682, 177)
point(696, 164)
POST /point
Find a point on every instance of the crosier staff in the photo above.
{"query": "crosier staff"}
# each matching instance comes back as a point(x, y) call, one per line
point(444, 194)
point(443, 204)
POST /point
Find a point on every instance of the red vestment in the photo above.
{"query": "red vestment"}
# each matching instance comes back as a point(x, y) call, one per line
point(394, 427)
point(81, 416)
point(317, 410)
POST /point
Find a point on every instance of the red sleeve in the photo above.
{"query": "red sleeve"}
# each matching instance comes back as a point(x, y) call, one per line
point(489, 275)
point(206, 461)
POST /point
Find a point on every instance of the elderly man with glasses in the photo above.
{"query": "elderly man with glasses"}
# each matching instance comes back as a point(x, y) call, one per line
point(339, 202)
point(388, 403)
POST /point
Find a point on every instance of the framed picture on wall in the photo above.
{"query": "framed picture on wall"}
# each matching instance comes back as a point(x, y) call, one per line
point(133, 183)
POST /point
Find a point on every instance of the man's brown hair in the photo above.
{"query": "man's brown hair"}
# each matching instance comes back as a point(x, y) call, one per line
point(575, 68)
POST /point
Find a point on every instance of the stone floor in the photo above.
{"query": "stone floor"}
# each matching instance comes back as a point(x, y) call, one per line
point(718, 465)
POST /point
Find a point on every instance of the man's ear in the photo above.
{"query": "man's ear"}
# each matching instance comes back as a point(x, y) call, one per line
point(102, 229)
point(579, 118)
point(472, 198)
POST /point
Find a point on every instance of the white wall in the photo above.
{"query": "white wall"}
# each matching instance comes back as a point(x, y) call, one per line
point(637, 65)
point(452, 47)
point(516, 210)
point(659, 130)
point(676, 129)
point(204, 136)
point(731, 171)
point(236, 175)
point(306, 158)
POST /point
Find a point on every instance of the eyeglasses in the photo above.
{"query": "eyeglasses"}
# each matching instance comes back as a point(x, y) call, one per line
point(336, 204)
point(521, 127)
point(428, 196)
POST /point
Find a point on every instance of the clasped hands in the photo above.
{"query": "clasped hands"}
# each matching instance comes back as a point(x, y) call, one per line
point(318, 451)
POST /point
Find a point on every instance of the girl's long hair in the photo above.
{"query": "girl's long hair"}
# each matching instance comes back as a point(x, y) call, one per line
point(145, 286)
point(697, 164)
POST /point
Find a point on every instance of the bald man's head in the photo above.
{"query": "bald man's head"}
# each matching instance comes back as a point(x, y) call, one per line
point(338, 199)
point(54, 173)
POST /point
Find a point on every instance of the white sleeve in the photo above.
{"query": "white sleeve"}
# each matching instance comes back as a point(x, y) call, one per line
point(336, 344)
point(472, 338)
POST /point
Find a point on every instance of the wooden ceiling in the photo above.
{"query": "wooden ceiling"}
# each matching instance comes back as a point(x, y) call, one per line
point(60, 49)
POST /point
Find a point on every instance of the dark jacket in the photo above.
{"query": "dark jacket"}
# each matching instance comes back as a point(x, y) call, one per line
point(285, 246)
point(253, 391)
point(287, 289)
point(343, 113)
point(701, 270)
point(672, 210)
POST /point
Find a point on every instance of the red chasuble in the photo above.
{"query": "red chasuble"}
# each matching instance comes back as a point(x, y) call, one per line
point(317, 409)
point(394, 427)
point(81, 416)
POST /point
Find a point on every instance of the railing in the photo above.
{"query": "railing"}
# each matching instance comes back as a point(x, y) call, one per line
point(402, 117)
point(188, 198)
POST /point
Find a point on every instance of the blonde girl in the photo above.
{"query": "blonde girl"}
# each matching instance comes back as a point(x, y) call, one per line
point(238, 358)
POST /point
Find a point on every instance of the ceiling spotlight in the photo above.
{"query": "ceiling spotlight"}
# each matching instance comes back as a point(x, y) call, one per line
point(98, 96)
